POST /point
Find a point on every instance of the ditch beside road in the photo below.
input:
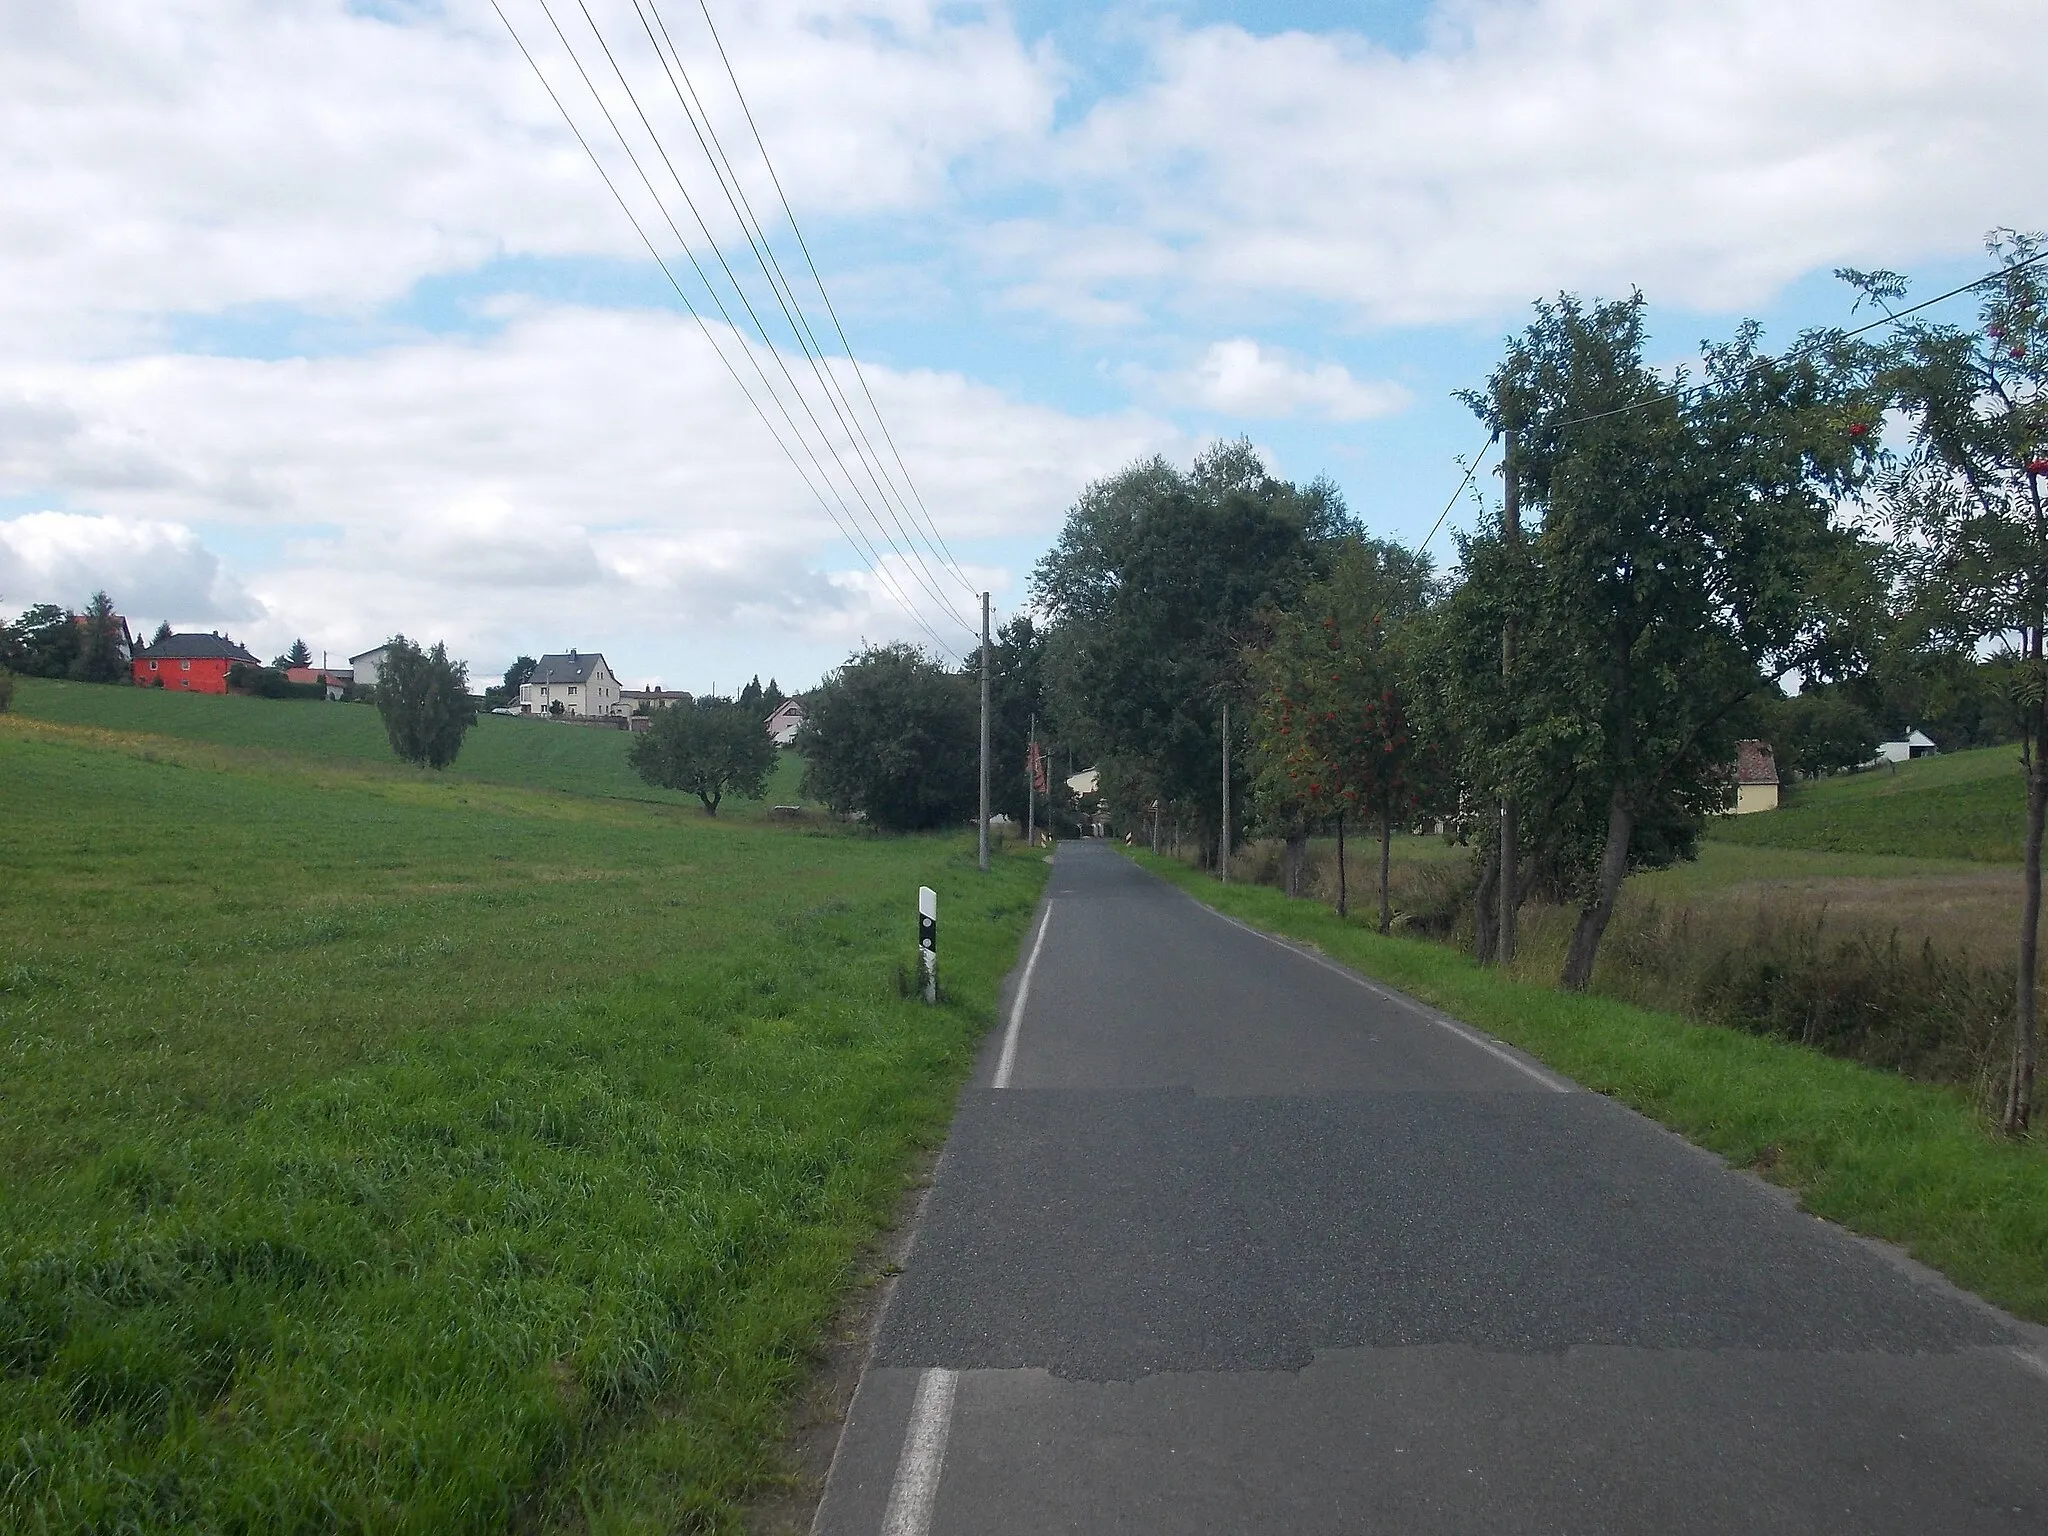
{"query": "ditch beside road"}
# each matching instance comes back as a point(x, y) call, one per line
point(1247, 1243)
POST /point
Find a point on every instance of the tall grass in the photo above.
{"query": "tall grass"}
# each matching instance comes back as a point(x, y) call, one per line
point(384, 1151)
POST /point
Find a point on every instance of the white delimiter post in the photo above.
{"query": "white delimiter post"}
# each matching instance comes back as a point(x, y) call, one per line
point(928, 940)
point(984, 733)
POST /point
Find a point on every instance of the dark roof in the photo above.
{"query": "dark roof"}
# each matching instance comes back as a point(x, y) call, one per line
point(197, 648)
point(572, 668)
point(1754, 763)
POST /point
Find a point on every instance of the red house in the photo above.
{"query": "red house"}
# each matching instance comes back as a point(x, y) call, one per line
point(195, 663)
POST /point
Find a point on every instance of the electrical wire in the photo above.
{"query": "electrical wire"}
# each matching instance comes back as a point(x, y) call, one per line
point(751, 229)
point(919, 573)
point(850, 534)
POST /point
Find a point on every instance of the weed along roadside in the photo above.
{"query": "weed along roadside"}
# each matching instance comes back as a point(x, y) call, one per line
point(1912, 1163)
point(418, 1153)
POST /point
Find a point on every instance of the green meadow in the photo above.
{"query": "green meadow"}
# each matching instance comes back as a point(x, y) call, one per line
point(385, 1150)
point(1961, 805)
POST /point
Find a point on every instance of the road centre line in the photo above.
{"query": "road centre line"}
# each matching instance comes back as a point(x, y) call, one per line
point(1008, 1059)
point(916, 1487)
point(1464, 1032)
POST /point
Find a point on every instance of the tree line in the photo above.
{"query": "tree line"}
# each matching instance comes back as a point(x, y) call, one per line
point(1808, 546)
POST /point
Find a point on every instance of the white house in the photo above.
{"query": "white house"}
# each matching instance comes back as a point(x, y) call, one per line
point(783, 724)
point(363, 668)
point(585, 686)
point(1915, 744)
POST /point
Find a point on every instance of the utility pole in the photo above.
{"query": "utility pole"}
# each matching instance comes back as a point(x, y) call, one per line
point(984, 733)
point(1031, 784)
point(1223, 847)
point(1510, 812)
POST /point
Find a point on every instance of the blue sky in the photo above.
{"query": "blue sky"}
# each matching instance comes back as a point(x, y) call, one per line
point(319, 323)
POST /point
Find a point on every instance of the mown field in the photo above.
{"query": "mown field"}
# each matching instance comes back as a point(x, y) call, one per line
point(529, 753)
point(392, 1151)
point(1962, 805)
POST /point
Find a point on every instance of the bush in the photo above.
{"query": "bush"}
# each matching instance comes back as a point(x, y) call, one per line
point(424, 699)
point(6, 690)
point(710, 748)
point(893, 736)
point(269, 683)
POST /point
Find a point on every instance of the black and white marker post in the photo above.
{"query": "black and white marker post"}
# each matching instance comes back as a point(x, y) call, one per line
point(928, 940)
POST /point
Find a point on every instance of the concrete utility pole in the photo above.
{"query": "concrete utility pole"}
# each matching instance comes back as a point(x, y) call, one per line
point(1510, 813)
point(984, 733)
point(1223, 847)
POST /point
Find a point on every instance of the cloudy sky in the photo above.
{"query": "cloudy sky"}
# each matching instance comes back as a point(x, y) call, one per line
point(316, 320)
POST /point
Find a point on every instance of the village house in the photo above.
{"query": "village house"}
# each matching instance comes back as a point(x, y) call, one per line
point(1915, 743)
point(785, 722)
point(335, 679)
point(194, 663)
point(364, 668)
point(585, 687)
point(1756, 777)
point(652, 698)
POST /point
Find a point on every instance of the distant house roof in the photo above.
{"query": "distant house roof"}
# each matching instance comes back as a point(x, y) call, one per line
point(788, 709)
point(375, 653)
point(1754, 763)
point(575, 667)
point(199, 648)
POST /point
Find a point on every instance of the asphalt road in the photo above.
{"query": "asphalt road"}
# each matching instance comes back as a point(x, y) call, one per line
point(1244, 1244)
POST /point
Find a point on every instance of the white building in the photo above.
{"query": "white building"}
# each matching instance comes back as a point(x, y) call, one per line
point(1915, 744)
point(363, 668)
point(585, 686)
point(785, 722)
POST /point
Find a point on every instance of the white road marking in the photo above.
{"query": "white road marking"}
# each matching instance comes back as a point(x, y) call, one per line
point(1470, 1036)
point(916, 1487)
point(2031, 1361)
point(1008, 1059)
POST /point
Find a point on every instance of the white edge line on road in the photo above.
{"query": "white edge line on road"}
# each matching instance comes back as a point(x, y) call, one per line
point(2031, 1361)
point(916, 1487)
point(1464, 1032)
point(1008, 1059)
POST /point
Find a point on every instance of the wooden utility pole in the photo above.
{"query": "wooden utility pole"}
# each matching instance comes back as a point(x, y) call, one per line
point(1223, 845)
point(984, 733)
point(1031, 784)
point(1510, 812)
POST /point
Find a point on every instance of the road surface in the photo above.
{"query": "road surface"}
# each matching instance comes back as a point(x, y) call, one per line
point(1226, 1239)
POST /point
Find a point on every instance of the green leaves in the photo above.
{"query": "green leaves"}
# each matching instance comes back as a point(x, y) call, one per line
point(709, 748)
point(424, 699)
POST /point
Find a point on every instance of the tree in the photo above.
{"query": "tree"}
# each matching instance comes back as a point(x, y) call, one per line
point(1016, 695)
point(1337, 720)
point(516, 677)
point(424, 699)
point(163, 633)
point(1966, 501)
point(1158, 585)
point(44, 642)
point(1690, 551)
point(710, 748)
point(893, 735)
point(772, 697)
point(1818, 730)
point(752, 697)
point(300, 655)
point(98, 659)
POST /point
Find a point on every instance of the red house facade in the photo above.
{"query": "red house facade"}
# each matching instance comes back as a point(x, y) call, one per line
point(193, 663)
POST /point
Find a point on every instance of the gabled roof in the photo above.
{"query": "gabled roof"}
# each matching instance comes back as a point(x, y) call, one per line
point(788, 709)
point(198, 648)
point(575, 667)
point(374, 653)
point(1754, 763)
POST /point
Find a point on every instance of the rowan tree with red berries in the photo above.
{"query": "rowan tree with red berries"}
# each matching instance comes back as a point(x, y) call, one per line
point(1335, 730)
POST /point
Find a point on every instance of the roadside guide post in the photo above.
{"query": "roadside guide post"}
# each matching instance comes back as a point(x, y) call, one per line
point(928, 940)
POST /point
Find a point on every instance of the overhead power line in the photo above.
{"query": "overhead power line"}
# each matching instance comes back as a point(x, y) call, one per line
point(853, 536)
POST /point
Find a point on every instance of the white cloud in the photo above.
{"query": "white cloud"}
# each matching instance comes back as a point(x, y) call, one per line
point(157, 569)
point(1707, 152)
point(194, 155)
point(1240, 377)
point(584, 471)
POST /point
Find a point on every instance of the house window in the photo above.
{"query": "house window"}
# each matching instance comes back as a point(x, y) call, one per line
point(152, 666)
point(572, 691)
point(184, 666)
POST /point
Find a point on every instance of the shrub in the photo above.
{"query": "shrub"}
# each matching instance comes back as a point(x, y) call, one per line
point(6, 690)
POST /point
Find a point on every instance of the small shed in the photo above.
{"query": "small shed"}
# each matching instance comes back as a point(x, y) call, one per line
point(1915, 743)
point(1756, 777)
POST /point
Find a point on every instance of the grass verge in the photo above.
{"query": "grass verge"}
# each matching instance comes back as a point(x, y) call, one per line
point(391, 1151)
point(1893, 1159)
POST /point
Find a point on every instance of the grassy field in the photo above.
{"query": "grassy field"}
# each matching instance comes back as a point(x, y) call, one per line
point(499, 749)
point(392, 1151)
point(1962, 805)
point(1914, 1164)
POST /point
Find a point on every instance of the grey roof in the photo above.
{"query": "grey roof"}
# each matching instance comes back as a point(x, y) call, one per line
point(572, 668)
point(198, 648)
